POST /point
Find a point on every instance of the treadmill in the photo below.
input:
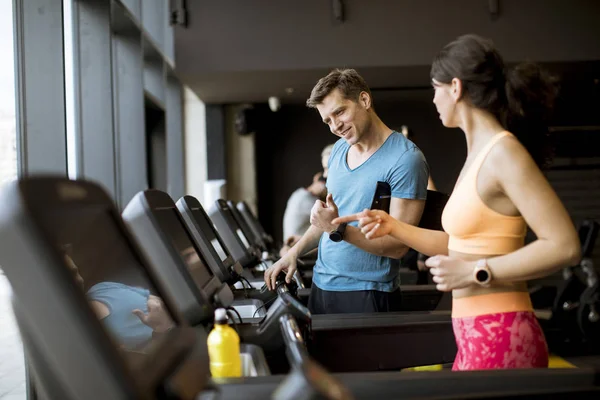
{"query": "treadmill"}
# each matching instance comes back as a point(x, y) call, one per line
point(152, 217)
point(248, 254)
point(255, 225)
point(267, 257)
point(421, 339)
point(249, 257)
point(74, 357)
point(216, 252)
point(160, 229)
point(70, 234)
point(70, 352)
point(253, 236)
point(305, 264)
point(583, 381)
point(358, 329)
point(580, 383)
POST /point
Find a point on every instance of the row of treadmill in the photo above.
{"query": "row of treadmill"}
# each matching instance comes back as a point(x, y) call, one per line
point(196, 260)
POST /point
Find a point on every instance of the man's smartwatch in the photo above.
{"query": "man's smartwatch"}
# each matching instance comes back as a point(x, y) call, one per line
point(337, 235)
point(482, 273)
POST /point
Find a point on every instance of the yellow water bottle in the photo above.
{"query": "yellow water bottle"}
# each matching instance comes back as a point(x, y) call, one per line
point(224, 348)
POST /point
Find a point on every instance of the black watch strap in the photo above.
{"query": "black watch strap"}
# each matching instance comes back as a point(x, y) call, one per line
point(338, 234)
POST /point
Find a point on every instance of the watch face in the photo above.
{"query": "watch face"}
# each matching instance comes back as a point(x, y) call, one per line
point(482, 275)
point(335, 236)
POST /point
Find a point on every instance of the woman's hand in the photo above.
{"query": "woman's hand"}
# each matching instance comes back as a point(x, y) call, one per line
point(451, 273)
point(372, 223)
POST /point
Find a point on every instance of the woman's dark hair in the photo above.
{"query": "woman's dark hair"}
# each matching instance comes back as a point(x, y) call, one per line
point(522, 97)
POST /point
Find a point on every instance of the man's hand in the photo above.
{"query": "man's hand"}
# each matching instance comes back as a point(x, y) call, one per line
point(322, 214)
point(287, 263)
point(372, 223)
point(157, 318)
point(421, 258)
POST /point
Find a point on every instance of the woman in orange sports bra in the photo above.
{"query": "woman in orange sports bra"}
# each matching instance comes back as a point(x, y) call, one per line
point(480, 256)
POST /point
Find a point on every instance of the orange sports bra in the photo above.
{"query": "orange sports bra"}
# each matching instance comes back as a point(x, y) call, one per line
point(473, 227)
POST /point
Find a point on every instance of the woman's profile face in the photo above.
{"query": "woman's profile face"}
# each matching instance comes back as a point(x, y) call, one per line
point(444, 103)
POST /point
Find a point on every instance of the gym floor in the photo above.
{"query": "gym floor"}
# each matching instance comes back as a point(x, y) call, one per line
point(12, 367)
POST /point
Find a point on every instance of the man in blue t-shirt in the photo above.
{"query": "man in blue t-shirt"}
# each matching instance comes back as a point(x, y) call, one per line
point(356, 274)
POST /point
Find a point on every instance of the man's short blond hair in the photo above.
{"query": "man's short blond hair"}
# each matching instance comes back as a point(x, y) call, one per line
point(347, 81)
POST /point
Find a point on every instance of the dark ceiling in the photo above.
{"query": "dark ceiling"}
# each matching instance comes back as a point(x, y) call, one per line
point(240, 51)
point(386, 83)
point(257, 86)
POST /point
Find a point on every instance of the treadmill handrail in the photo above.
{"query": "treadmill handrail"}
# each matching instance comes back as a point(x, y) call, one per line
point(294, 343)
point(440, 384)
point(379, 320)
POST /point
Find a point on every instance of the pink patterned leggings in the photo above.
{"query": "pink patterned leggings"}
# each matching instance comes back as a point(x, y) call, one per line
point(499, 341)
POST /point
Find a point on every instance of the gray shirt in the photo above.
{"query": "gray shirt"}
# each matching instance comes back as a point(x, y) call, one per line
point(296, 219)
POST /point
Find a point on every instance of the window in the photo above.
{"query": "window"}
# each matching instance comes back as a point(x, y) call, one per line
point(69, 89)
point(8, 135)
point(12, 365)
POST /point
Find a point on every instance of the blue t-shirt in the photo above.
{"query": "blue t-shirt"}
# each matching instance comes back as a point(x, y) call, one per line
point(125, 327)
point(399, 162)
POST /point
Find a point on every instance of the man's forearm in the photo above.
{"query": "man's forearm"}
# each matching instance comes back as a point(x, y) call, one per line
point(308, 242)
point(386, 246)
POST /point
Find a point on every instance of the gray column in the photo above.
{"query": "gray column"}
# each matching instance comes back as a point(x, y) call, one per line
point(175, 144)
point(93, 92)
point(215, 142)
point(154, 80)
point(40, 87)
point(153, 17)
point(130, 135)
point(169, 38)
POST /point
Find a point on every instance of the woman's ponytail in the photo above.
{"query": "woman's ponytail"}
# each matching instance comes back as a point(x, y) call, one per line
point(530, 96)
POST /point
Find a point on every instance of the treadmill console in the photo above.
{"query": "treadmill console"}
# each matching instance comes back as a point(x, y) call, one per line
point(202, 229)
point(232, 235)
point(102, 324)
point(113, 281)
point(251, 220)
point(152, 217)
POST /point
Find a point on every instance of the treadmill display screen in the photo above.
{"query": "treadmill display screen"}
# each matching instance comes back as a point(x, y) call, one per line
point(251, 221)
point(242, 237)
point(113, 278)
point(252, 218)
point(210, 232)
point(172, 227)
point(219, 249)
